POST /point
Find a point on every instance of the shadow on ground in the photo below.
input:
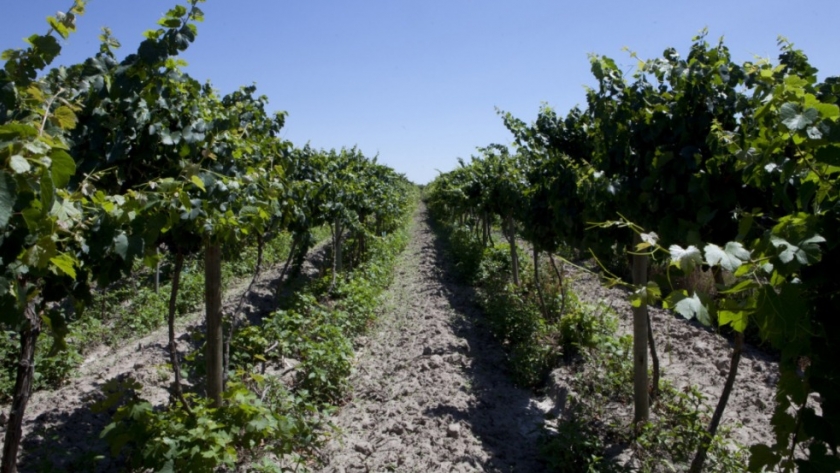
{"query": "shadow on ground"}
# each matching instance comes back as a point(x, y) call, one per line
point(504, 417)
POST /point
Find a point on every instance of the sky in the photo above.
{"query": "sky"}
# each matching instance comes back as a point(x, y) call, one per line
point(418, 83)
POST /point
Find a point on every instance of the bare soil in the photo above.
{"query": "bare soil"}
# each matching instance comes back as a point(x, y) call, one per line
point(430, 388)
point(430, 383)
point(432, 393)
point(690, 354)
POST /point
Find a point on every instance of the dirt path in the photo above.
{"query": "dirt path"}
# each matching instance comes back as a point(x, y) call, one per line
point(431, 392)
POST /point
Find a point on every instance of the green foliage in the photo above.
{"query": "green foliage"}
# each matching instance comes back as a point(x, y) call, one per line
point(316, 327)
point(53, 368)
point(731, 166)
point(310, 333)
point(607, 372)
point(670, 442)
point(667, 443)
point(581, 326)
point(208, 438)
point(128, 310)
point(106, 162)
point(512, 312)
point(469, 251)
point(577, 446)
point(514, 316)
point(239, 262)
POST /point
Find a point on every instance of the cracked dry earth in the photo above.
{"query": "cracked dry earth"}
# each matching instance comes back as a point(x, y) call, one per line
point(431, 392)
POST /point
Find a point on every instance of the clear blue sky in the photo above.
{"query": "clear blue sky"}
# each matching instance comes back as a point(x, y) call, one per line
point(417, 81)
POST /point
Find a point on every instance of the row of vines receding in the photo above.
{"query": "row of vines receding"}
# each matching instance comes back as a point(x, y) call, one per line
point(113, 162)
point(692, 162)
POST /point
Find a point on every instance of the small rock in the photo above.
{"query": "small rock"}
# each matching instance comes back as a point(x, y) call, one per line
point(435, 361)
point(453, 431)
point(427, 351)
point(138, 366)
point(363, 447)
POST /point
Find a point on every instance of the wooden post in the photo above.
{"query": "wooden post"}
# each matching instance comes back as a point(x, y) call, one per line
point(23, 389)
point(213, 307)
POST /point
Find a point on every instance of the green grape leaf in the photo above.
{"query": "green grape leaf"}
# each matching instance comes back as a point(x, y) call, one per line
point(58, 27)
point(170, 22)
point(46, 45)
point(121, 245)
point(12, 131)
point(62, 168)
point(65, 263)
point(688, 306)
point(19, 164)
point(648, 240)
point(742, 286)
point(47, 192)
point(7, 198)
point(646, 295)
point(685, 259)
point(177, 12)
point(737, 318)
point(57, 325)
point(807, 251)
point(258, 424)
point(39, 254)
point(65, 117)
point(762, 456)
point(827, 110)
point(779, 315)
point(65, 211)
point(166, 137)
point(729, 258)
point(198, 182)
point(794, 120)
point(814, 133)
